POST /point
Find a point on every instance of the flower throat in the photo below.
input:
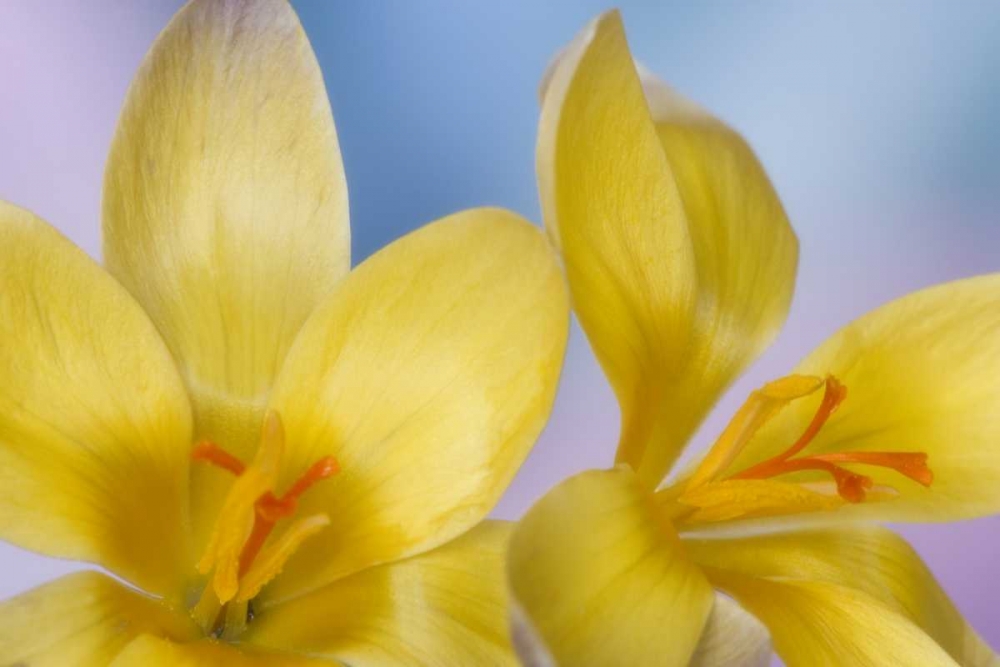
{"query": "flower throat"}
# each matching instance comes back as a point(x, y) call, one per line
point(238, 554)
point(717, 493)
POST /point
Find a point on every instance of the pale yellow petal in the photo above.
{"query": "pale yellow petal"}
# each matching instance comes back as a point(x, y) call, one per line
point(81, 619)
point(922, 375)
point(819, 624)
point(95, 427)
point(153, 651)
point(602, 579)
point(428, 375)
point(732, 638)
point(443, 607)
point(870, 559)
point(225, 207)
point(680, 259)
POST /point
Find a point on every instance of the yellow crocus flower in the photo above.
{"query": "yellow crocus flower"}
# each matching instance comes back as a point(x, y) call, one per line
point(681, 264)
point(287, 461)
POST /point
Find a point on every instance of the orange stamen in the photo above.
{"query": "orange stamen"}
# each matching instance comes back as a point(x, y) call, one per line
point(269, 509)
point(911, 464)
point(834, 394)
point(851, 486)
point(325, 467)
point(217, 456)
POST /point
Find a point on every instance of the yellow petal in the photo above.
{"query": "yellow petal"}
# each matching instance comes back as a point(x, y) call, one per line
point(81, 619)
point(732, 638)
point(428, 375)
point(225, 208)
point(95, 428)
point(869, 559)
point(819, 624)
point(922, 375)
point(152, 651)
point(602, 579)
point(680, 259)
point(443, 607)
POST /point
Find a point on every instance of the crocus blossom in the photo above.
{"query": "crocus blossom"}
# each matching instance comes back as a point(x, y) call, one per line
point(288, 461)
point(681, 265)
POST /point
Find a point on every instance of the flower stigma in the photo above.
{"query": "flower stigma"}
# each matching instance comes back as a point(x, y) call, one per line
point(713, 493)
point(239, 555)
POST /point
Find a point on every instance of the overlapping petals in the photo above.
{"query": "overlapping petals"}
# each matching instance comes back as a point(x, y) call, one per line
point(681, 262)
point(732, 638)
point(94, 422)
point(680, 259)
point(867, 559)
point(922, 375)
point(443, 607)
point(602, 579)
point(428, 374)
point(149, 650)
point(82, 619)
point(225, 208)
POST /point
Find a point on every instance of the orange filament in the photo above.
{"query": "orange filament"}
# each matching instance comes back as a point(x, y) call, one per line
point(851, 486)
point(269, 509)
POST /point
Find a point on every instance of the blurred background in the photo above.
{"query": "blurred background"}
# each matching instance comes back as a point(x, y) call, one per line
point(876, 121)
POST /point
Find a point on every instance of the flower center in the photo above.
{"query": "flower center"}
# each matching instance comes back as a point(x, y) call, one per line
point(851, 486)
point(717, 494)
point(239, 555)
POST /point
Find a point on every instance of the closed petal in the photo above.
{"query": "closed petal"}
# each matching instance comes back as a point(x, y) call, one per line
point(602, 579)
point(428, 375)
point(81, 619)
point(95, 427)
point(922, 375)
point(870, 559)
point(153, 651)
point(732, 638)
point(443, 607)
point(680, 258)
point(225, 208)
point(819, 624)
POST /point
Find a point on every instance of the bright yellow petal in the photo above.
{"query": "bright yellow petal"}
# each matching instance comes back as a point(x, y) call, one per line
point(679, 256)
point(870, 559)
point(922, 375)
point(81, 619)
point(732, 638)
point(601, 578)
point(819, 624)
point(152, 651)
point(95, 428)
point(443, 607)
point(225, 208)
point(428, 375)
